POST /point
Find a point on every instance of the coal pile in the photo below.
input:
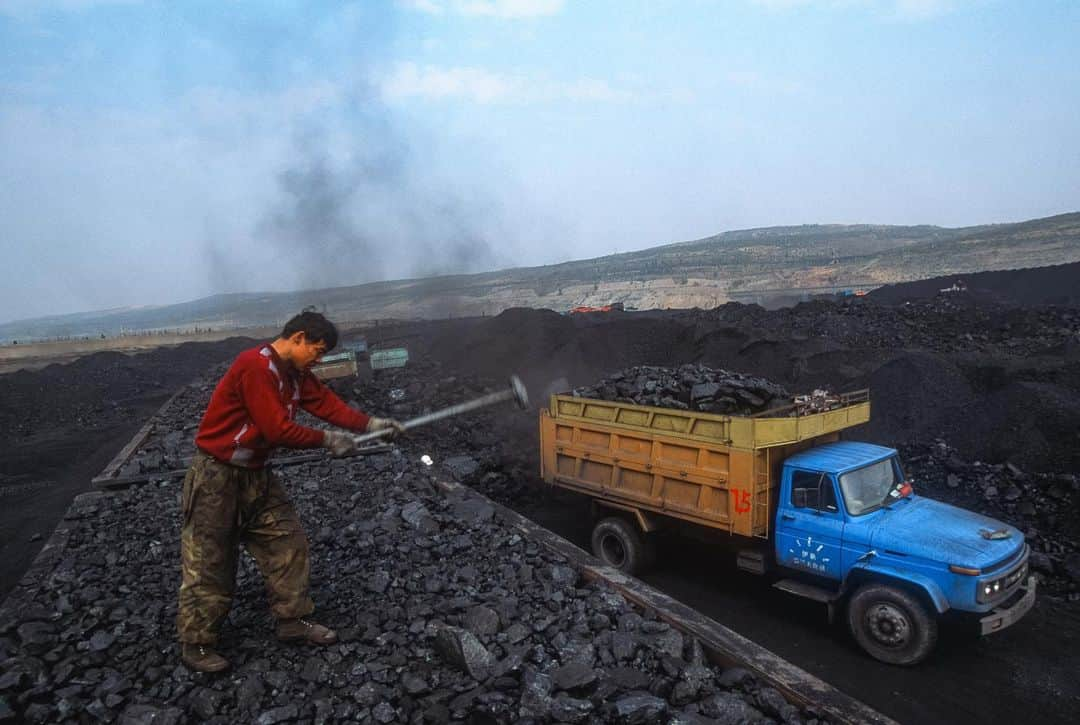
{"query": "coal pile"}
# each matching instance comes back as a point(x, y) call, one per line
point(1053, 285)
point(99, 389)
point(444, 613)
point(836, 345)
point(942, 324)
point(689, 387)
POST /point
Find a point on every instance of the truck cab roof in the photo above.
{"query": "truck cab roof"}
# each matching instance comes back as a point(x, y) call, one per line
point(839, 457)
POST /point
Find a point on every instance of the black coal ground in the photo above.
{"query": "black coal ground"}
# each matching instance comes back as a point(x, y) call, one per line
point(444, 613)
point(983, 400)
point(100, 388)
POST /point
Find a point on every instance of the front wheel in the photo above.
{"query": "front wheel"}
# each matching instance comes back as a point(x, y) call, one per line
point(891, 625)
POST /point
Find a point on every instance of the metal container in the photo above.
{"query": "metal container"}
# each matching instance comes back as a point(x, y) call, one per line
point(394, 357)
point(338, 365)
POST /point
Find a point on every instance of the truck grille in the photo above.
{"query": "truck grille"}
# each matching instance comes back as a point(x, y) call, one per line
point(1018, 555)
point(1016, 576)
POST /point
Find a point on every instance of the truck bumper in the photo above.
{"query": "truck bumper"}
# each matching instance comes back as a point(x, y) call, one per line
point(1008, 614)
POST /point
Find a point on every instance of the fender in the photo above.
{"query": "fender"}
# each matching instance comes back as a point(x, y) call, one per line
point(885, 572)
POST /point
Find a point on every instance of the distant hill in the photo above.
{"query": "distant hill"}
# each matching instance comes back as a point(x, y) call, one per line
point(752, 265)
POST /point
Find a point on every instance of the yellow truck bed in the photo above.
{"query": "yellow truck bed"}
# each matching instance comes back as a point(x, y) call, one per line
point(716, 470)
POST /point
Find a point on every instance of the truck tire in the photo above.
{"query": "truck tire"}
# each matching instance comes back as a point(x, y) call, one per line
point(619, 544)
point(891, 624)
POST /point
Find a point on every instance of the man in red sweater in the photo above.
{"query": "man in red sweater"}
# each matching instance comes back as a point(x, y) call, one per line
point(231, 497)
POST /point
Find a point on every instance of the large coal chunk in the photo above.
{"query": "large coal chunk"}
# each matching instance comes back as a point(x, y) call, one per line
point(150, 715)
point(636, 708)
point(460, 648)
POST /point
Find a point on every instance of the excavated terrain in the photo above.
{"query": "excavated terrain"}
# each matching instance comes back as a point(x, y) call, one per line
point(982, 399)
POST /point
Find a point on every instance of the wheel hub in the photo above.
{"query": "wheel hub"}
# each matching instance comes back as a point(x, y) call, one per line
point(614, 552)
point(888, 624)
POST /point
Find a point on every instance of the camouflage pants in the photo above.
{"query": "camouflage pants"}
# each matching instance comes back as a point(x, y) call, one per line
point(223, 506)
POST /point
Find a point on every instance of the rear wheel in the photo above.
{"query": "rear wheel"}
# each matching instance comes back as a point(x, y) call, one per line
point(891, 624)
point(619, 544)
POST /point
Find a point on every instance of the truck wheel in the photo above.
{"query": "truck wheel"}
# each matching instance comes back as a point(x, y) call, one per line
point(891, 625)
point(617, 543)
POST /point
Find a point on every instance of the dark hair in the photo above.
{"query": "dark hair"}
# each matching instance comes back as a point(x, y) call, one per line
point(315, 327)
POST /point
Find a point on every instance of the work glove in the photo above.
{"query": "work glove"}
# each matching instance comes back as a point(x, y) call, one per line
point(377, 424)
point(339, 443)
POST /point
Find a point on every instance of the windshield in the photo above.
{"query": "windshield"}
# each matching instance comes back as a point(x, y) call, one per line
point(866, 489)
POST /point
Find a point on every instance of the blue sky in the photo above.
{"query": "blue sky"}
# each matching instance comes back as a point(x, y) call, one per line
point(155, 152)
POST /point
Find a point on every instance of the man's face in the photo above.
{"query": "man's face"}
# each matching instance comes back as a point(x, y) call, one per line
point(306, 354)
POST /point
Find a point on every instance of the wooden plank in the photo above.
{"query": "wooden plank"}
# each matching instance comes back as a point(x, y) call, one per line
point(723, 646)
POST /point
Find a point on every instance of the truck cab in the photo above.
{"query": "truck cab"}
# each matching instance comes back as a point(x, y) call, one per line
point(850, 526)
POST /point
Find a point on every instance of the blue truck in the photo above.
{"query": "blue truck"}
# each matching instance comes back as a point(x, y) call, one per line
point(831, 520)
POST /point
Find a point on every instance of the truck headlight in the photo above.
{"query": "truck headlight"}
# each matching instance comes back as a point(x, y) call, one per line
point(990, 589)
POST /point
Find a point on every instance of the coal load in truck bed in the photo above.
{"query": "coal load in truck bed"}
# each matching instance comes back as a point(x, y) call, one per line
point(689, 387)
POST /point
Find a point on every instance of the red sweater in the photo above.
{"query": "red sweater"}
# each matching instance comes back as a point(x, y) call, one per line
point(253, 408)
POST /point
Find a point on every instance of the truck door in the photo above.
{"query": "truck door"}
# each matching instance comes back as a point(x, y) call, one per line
point(810, 529)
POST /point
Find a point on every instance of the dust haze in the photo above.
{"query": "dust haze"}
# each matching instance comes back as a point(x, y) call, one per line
point(365, 213)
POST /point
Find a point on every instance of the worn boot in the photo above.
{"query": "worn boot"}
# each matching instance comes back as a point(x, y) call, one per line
point(293, 630)
point(202, 658)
